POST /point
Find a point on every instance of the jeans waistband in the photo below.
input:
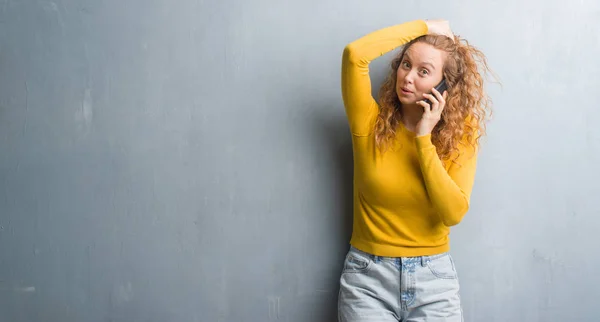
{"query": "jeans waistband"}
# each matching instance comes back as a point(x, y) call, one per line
point(422, 259)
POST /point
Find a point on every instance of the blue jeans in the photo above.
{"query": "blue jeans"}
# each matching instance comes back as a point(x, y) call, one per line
point(376, 288)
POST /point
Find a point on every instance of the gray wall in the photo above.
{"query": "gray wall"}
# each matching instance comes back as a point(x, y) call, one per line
point(190, 160)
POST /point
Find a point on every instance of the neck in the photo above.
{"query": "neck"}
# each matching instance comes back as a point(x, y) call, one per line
point(411, 115)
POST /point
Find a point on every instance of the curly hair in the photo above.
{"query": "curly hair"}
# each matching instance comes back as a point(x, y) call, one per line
point(467, 105)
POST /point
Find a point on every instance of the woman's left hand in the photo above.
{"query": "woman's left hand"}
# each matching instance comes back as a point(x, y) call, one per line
point(431, 113)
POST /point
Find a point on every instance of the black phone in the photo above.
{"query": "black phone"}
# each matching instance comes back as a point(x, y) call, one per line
point(441, 87)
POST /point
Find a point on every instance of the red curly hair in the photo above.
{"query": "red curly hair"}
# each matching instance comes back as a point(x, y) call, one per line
point(467, 105)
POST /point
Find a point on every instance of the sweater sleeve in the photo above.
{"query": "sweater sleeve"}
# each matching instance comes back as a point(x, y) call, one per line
point(449, 190)
point(361, 108)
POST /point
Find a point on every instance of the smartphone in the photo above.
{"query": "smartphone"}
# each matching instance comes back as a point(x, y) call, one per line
point(441, 87)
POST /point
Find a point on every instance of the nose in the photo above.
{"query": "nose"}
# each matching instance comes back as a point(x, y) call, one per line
point(409, 77)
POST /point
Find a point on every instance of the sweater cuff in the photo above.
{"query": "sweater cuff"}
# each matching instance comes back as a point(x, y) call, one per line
point(424, 25)
point(424, 142)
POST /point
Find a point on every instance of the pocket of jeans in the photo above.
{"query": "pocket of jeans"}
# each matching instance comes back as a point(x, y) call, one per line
point(356, 263)
point(442, 267)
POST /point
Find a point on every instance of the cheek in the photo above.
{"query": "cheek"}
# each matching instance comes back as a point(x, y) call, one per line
point(399, 76)
point(424, 86)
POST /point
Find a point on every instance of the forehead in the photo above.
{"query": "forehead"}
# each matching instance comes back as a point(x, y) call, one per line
point(425, 53)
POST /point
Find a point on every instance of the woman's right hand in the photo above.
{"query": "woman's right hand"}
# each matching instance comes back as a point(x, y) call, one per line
point(439, 27)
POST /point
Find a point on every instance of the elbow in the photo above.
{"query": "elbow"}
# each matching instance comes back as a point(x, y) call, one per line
point(452, 221)
point(454, 217)
point(349, 55)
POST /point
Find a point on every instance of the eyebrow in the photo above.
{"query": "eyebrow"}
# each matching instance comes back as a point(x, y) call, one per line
point(424, 63)
point(430, 64)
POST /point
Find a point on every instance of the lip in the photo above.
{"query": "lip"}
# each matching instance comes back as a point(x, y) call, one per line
point(405, 90)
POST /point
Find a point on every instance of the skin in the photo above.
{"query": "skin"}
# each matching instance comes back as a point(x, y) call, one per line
point(420, 70)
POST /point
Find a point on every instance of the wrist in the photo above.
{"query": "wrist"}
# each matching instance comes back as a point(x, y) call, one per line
point(424, 142)
point(432, 26)
point(429, 26)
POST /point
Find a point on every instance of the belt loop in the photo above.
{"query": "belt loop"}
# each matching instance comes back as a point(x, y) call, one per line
point(423, 261)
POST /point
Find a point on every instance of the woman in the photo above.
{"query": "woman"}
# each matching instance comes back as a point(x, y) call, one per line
point(414, 168)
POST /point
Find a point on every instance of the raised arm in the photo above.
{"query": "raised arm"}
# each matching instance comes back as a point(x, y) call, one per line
point(361, 108)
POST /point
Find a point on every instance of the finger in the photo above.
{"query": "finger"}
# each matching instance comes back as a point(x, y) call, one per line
point(437, 94)
point(443, 105)
point(432, 98)
point(442, 102)
point(434, 101)
point(426, 106)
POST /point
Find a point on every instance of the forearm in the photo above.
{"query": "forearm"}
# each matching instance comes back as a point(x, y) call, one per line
point(449, 190)
point(380, 42)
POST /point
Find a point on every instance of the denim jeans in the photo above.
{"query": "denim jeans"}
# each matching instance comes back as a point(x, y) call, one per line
point(376, 288)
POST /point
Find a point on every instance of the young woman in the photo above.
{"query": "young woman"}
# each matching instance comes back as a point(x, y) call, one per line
point(415, 153)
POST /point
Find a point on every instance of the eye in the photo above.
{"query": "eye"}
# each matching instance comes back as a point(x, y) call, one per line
point(424, 72)
point(405, 64)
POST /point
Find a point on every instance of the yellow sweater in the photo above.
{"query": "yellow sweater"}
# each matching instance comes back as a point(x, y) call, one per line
point(406, 199)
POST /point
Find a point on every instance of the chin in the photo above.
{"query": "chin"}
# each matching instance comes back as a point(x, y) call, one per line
point(405, 101)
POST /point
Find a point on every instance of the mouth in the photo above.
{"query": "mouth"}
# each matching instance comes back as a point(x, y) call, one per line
point(405, 91)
